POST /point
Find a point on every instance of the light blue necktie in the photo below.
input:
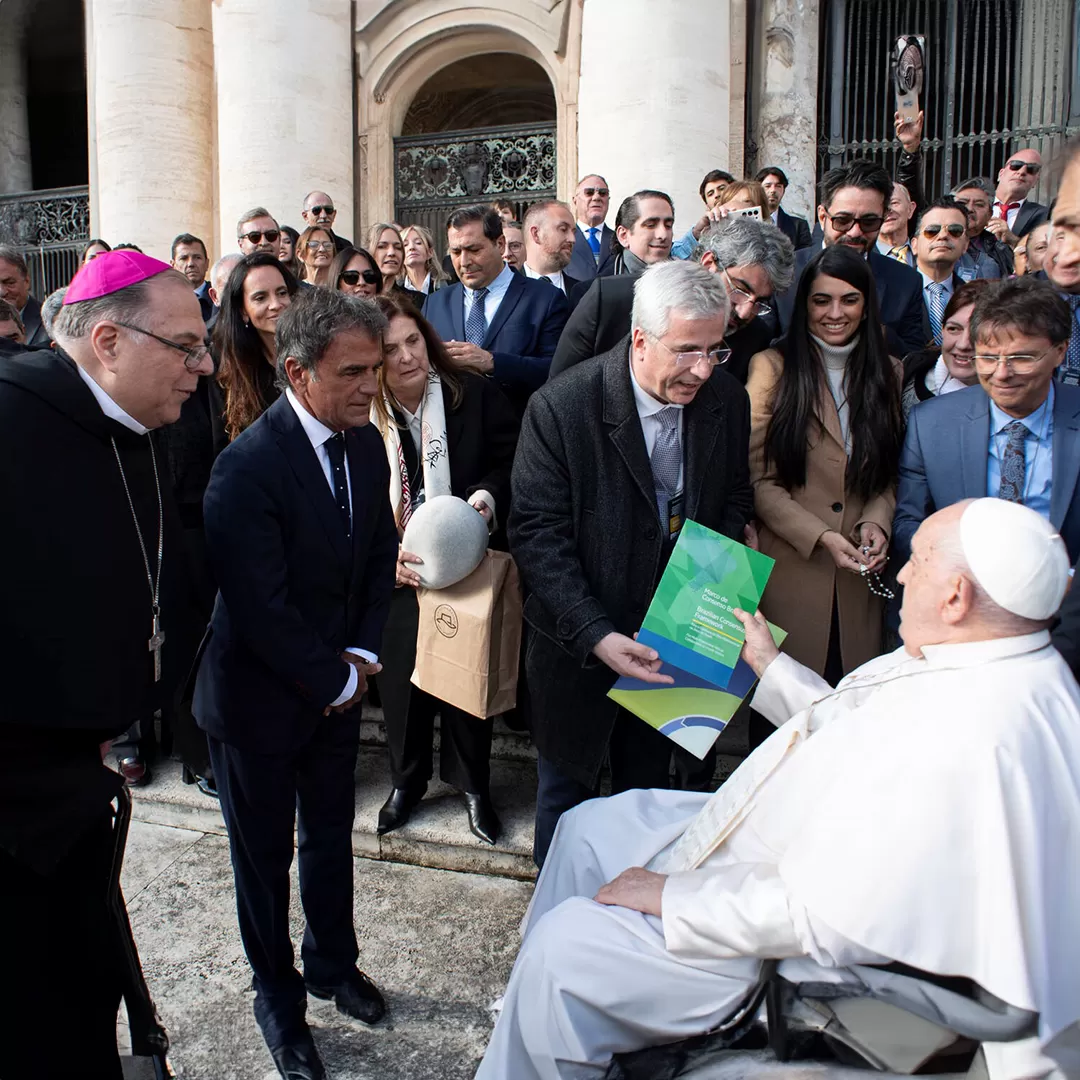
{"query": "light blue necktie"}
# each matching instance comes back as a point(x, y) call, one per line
point(476, 324)
point(935, 307)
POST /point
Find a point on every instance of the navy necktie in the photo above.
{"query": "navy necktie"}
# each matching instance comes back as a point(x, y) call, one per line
point(476, 323)
point(1072, 353)
point(335, 449)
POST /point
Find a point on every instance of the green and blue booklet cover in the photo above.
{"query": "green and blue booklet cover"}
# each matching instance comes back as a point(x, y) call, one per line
point(691, 625)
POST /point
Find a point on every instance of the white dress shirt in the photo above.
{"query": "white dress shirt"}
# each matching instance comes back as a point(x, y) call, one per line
point(109, 407)
point(557, 279)
point(647, 408)
point(319, 434)
point(495, 293)
point(425, 288)
point(1010, 219)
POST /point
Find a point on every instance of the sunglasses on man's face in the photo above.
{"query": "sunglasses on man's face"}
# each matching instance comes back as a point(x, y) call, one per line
point(272, 236)
point(1032, 168)
point(955, 230)
point(352, 277)
point(844, 221)
point(317, 210)
point(589, 192)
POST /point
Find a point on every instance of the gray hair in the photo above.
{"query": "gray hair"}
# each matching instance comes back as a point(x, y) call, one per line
point(679, 286)
point(220, 271)
point(251, 215)
point(15, 257)
point(742, 241)
point(76, 321)
point(50, 307)
point(316, 316)
point(981, 182)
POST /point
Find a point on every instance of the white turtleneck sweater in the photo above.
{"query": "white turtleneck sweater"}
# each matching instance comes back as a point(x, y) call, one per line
point(836, 358)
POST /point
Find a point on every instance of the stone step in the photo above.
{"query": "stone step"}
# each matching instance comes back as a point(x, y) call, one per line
point(437, 835)
point(506, 745)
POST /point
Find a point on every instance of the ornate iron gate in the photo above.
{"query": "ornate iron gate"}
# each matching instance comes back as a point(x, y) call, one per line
point(50, 228)
point(999, 75)
point(436, 173)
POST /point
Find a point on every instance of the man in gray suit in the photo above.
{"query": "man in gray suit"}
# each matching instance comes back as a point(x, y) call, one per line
point(1016, 436)
point(613, 457)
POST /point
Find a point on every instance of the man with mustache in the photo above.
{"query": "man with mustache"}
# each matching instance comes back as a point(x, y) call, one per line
point(939, 242)
point(854, 200)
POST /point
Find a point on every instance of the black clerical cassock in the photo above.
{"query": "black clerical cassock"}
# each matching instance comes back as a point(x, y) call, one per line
point(75, 671)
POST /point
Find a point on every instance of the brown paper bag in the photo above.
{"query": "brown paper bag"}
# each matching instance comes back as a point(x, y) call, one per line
point(469, 640)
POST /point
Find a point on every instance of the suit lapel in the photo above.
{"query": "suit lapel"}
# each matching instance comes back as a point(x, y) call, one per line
point(354, 459)
point(880, 279)
point(974, 444)
point(456, 298)
point(1066, 464)
point(702, 425)
point(304, 462)
point(621, 417)
point(510, 301)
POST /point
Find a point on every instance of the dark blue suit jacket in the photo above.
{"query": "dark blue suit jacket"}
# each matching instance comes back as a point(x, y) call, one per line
point(582, 264)
point(522, 337)
point(294, 592)
point(899, 294)
point(796, 229)
point(945, 455)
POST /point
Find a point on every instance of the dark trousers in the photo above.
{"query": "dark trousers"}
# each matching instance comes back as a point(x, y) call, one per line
point(261, 796)
point(61, 981)
point(638, 756)
point(409, 714)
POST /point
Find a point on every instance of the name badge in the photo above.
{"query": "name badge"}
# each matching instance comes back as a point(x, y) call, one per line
point(675, 515)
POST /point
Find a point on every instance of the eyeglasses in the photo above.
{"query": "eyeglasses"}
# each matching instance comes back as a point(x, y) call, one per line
point(692, 359)
point(1032, 167)
point(317, 210)
point(589, 192)
point(843, 221)
point(1020, 364)
point(194, 356)
point(741, 296)
point(352, 277)
point(272, 236)
point(320, 245)
point(953, 230)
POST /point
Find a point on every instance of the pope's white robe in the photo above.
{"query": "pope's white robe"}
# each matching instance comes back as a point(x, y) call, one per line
point(930, 815)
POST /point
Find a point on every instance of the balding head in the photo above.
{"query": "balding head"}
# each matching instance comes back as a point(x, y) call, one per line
point(947, 601)
point(1018, 175)
point(319, 209)
point(219, 274)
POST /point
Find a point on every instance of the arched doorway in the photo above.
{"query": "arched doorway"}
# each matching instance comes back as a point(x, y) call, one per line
point(480, 129)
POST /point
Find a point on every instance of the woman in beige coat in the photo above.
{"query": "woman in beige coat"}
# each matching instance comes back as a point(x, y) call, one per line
point(824, 452)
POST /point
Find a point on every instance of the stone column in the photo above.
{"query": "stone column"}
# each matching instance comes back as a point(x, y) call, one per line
point(654, 97)
point(15, 166)
point(787, 98)
point(150, 83)
point(284, 109)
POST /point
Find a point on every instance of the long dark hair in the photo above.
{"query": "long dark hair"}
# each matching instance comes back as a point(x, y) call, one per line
point(346, 256)
point(873, 392)
point(243, 370)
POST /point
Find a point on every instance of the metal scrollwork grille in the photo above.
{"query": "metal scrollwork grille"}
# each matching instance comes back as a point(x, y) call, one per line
point(50, 228)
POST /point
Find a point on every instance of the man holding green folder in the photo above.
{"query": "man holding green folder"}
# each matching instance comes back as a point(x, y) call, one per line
point(614, 456)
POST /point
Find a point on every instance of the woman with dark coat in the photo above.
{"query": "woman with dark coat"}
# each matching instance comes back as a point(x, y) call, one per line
point(447, 432)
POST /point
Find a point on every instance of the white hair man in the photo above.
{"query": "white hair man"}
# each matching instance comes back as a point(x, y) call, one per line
point(219, 275)
point(925, 812)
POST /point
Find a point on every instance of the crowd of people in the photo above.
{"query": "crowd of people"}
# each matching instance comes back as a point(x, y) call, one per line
point(216, 465)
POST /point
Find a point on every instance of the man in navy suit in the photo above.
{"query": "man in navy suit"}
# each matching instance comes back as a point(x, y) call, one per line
point(189, 257)
point(303, 546)
point(939, 242)
point(775, 182)
point(854, 199)
point(592, 238)
point(15, 289)
point(1016, 436)
point(1014, 214)
point(494, 321)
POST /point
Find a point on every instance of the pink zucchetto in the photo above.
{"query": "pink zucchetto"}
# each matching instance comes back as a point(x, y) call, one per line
point(110, 272)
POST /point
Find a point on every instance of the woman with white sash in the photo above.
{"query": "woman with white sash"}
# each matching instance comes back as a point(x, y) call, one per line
point(447, 432)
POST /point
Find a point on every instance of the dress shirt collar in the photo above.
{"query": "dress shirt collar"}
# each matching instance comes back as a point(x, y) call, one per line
point(108, 406)
point(585, 229)
point(1036, 422)
point(316, 431)
point(497, 289)
point(425, 288)
point(556, 279)
point(646, 404)
point(928, 281)
point(775, 216)
point(971, 653)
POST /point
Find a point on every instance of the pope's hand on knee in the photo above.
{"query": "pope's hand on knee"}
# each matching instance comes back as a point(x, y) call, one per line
point(637, 889)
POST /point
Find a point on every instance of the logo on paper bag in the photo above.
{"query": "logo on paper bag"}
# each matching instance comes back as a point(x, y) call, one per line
point(446, 620)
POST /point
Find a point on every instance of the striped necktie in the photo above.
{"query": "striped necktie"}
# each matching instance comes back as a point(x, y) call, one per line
point(935, 308)
point(900, 253)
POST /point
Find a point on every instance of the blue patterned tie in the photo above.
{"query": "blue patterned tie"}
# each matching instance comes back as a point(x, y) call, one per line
point(935, 308)
point(1071, 372)
point(335, 450)
point(666, 459)
point(1013, 463)
point(476, 324)
point(594, 243)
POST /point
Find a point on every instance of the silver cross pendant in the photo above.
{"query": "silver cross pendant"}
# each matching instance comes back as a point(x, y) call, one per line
point(157, 639)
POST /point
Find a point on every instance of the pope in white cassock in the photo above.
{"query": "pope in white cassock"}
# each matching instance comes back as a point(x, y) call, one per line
point(927, 811)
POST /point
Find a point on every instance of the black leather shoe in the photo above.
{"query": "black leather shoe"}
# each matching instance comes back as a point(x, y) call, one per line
point(297, 1059)
point(483, 821)
point(204, 783)
point(396, 810)
point(357, 997)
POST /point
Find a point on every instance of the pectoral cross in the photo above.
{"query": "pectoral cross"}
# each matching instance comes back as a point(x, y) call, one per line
point(157, 639)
